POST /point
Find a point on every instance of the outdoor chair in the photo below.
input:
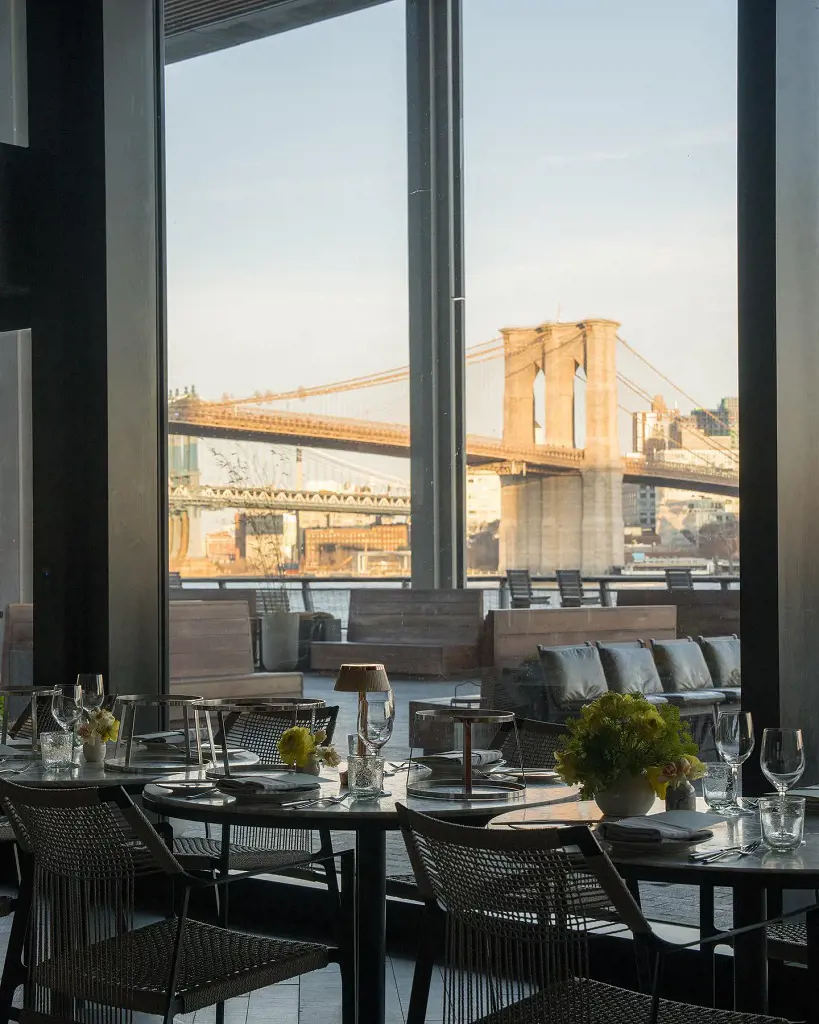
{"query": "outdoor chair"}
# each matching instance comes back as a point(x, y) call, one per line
point(518, 908)
point(678, 579)
point(538, 743)
point(521, 592)
point(570, 585)
point(256, 849)
point(89, 852)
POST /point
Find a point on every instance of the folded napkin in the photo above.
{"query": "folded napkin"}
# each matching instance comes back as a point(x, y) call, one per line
point(268, 787)
point(480, 758)
point(655, 828)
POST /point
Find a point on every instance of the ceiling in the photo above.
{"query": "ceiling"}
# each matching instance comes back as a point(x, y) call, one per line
point(194, 27)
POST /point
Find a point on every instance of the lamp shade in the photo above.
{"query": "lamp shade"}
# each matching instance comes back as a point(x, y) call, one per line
point(362, 679)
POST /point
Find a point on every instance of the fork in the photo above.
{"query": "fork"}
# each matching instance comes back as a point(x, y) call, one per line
point(16, 771)
point(733, 851)
point(319, 800)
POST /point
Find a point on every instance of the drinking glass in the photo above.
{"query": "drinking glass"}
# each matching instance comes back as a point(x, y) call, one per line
point(66, 707)
point(735, 743)
point(718, 786)
point(783, 821)
point(376, 719)
point(56, 750)
point(782, 758)
point(365, 776)
point(93, 690)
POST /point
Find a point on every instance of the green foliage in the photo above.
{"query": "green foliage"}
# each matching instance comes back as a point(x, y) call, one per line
point(621, 735)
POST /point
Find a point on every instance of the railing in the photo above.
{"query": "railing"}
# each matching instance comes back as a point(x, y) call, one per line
point(331, 594)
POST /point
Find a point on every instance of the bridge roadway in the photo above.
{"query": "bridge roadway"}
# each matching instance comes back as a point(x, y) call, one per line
point(285, 499)
point(196, 418)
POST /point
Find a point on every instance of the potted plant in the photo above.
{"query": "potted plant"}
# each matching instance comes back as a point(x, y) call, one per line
point(99, 727)
point(622, 749)
point(306, 750)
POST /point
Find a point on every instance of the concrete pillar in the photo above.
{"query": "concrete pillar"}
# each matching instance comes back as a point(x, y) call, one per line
point(562, 351)
point(522, 360)
point(603, 471)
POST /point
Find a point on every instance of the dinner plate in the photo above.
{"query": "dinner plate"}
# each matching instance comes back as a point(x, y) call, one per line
point(193, 787)
point(532, 774)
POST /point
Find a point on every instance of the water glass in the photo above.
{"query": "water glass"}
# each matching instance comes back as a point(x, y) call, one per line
point(57, 750)
point(783, 822)
point(365, 776)
point(718, 786)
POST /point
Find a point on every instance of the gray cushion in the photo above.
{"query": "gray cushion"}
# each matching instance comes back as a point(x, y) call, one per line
point(732, 693)
point(573, 675)
point(723, 657)
point(681, 666)
point(630, 669)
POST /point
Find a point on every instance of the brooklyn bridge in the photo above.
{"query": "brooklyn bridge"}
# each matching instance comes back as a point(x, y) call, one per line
point(561, 504)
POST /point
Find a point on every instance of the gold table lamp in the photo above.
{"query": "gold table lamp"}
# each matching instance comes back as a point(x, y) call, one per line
point(362, 679)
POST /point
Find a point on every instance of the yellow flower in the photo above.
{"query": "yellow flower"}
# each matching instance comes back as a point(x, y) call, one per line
point(297, 745)
point(659, 783)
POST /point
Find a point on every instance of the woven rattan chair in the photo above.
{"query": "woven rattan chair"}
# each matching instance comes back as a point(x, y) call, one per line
point(267, 850)
point(89, 850)
point(539, 742)
point(518, 909)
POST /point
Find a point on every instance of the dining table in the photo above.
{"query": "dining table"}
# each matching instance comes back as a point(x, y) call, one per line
point(757, 881)
point(370, 820)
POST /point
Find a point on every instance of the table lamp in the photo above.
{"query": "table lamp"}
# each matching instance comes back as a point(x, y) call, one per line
point(362, 679)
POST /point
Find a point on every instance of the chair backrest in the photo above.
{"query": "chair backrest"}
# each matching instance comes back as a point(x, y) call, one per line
point(630, 668)
point(572, 674)
point(679, 579)
point(518, 906)
point(259, 730)
point(681, 665)
point(570, 585)
point(210, 639)
point(520, 587)
point(723, 656)
point(89, 847)
point(406, 616)
point(527, 743)
point(272, 599)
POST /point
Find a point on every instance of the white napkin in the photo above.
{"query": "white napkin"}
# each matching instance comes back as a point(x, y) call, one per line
point(654, 828)
point(267, 786)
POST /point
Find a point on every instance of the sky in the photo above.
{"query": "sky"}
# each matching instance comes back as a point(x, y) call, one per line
point(599, 175)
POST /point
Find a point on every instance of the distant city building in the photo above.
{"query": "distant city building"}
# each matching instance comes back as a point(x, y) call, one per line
point(640, 506)
point(221, 546)
point(724, 420)
point(337, 548)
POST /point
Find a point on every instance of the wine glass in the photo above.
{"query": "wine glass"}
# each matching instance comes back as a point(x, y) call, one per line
point(782, 758)
point(93, 690)
point(735, 743)
point(376, 719)
point(66, 707)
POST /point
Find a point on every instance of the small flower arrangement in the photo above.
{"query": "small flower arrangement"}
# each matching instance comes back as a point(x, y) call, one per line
point(99, 723)
point(298, 746)
point(622, 735)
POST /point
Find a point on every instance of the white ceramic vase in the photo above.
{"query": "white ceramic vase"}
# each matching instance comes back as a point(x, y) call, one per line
point(93, 750)
point(629, 795)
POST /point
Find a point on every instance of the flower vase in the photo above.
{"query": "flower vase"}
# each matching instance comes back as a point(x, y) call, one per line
point(629, 795)
point(94, 750)
point(311, 767)
point(681, 796)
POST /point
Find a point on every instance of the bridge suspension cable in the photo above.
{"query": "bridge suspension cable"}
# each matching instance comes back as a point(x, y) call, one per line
point(668, 380)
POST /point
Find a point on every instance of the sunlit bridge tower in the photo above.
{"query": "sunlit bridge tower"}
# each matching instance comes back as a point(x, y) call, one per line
point(571, 519)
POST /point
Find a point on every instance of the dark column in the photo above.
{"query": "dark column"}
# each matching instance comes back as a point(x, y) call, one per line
point(778, 179)
point(438, 445)
point(90, 244)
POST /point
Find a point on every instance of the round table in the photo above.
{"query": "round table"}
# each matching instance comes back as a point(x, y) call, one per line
point(752, 879)
point(370, 820)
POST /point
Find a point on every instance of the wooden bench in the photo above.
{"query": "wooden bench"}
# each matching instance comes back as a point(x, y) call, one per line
point(417, 632)
point(211, 653)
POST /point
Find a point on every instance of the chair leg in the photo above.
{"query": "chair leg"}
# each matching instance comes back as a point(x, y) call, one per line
point(425, 964)
point(14, 971)
point(328, 860)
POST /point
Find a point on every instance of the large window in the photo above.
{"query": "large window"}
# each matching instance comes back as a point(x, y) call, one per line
point(287, 303)
point(600, 224)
